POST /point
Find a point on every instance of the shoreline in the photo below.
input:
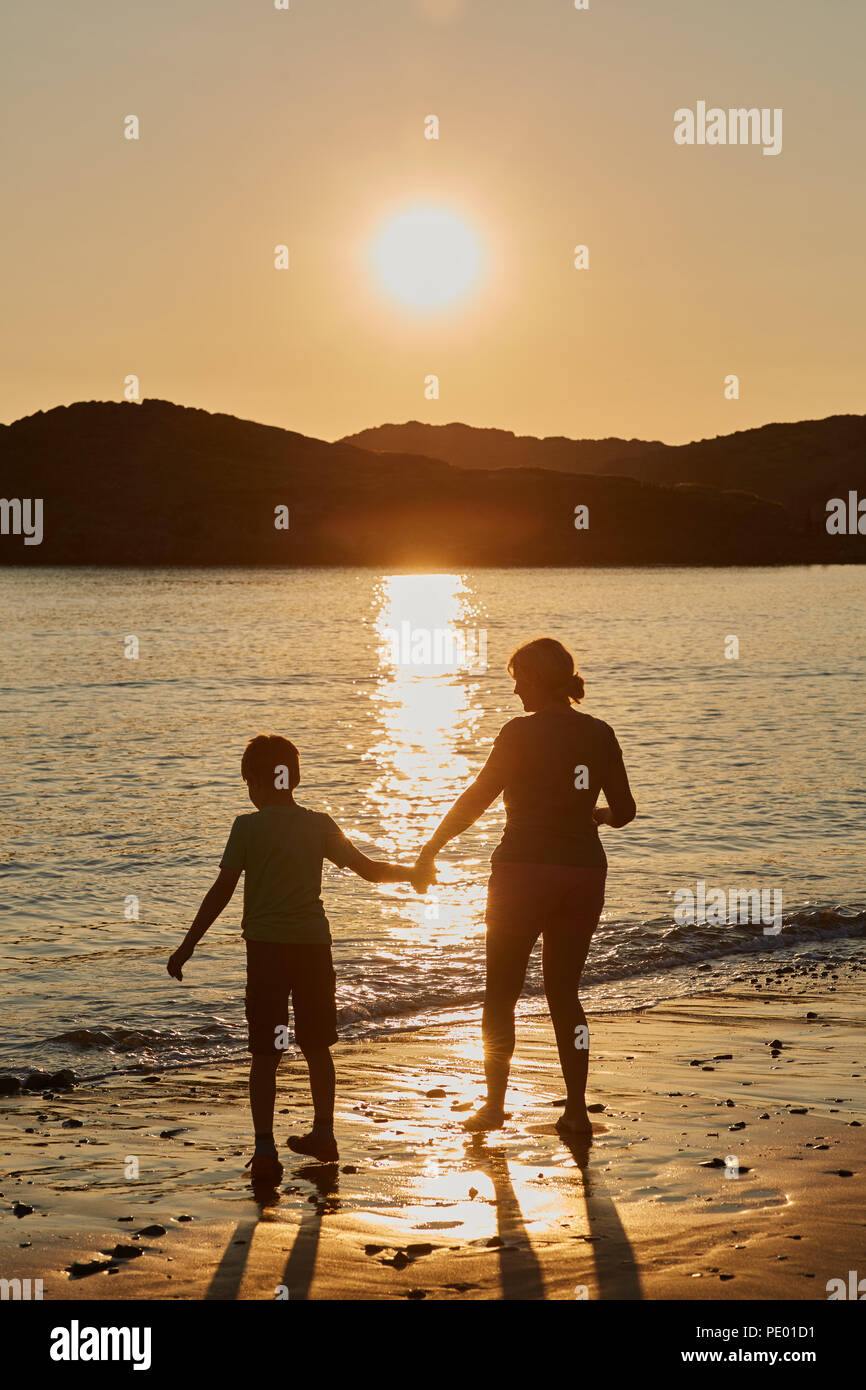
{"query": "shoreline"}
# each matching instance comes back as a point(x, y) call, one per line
point(803, 956)
point(418, 1209)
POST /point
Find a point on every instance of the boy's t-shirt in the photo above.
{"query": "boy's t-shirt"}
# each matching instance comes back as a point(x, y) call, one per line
point(280, 850)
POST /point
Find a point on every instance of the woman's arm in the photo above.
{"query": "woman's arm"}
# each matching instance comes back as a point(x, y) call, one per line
point(620, 808)
point(468, 807)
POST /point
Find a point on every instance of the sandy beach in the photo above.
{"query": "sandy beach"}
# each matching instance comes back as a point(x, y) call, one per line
point(418, 1209)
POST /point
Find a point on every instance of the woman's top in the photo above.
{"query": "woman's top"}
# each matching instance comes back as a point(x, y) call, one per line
point(550, 767)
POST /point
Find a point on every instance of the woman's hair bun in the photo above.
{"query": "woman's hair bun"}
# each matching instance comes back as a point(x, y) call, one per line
point(576, 687)
point(550, 665)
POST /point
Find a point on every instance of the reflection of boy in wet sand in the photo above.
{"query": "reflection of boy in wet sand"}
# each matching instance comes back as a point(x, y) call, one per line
point(280, 848)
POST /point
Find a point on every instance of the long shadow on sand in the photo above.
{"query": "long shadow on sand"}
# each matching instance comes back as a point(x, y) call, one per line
point(301, 1264)
point(520, 1274)
point(615, 1267)
point(230, 1271)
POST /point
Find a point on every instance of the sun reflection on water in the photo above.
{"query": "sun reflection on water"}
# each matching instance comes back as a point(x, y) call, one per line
point(427, 705)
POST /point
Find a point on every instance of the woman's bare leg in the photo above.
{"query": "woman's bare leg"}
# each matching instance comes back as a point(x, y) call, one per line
point(564, 956)
point(507, 959)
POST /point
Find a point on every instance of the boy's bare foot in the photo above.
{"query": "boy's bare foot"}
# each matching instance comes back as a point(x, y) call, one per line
point(319, 1143)
point(488, 1117)
point(265, 1168)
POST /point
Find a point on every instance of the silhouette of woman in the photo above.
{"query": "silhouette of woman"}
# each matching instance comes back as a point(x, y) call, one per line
point(548, 871)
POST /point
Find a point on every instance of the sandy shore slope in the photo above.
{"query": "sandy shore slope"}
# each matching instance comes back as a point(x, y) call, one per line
point(417, 1209)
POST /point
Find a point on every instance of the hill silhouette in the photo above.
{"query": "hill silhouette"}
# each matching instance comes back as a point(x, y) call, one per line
point(159, 483)
point(800, 465)
point(467, 446)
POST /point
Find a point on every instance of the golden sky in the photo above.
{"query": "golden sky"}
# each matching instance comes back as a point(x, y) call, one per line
point(306, 127)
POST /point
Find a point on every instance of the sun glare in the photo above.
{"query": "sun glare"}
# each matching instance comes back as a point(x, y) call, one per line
point(426, 257)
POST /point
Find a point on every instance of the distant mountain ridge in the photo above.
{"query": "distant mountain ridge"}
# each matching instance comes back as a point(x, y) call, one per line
point(800, 465)
point(468, 446)
point(163, 484)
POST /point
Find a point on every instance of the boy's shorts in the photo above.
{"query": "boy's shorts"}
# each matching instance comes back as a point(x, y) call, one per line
point(277, 969)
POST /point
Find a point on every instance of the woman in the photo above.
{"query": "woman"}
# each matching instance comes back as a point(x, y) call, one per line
point(548, 871)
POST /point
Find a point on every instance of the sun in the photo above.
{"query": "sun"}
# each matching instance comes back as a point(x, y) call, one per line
point(427, 257)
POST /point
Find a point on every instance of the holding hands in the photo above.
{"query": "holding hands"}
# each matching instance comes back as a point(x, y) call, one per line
point(424, 871)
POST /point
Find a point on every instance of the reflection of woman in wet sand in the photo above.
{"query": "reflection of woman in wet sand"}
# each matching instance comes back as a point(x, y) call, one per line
point(548, 871)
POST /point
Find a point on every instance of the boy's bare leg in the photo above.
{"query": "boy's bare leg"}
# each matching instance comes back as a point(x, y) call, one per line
point(266, 1166)
point(320, 1142)
point(263, 1090)
point(320, 1065)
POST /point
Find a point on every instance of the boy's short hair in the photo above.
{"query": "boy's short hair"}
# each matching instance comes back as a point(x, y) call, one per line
point(265, 754)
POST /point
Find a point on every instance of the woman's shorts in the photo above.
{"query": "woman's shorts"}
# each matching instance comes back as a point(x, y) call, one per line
point(527, 899)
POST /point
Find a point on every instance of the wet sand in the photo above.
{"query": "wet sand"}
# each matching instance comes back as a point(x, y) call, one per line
point(418, 1209)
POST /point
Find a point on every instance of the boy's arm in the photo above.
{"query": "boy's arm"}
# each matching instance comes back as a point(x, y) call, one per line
point(374, 870)
point(338, 848)
point(346, 855)
point(215, 899)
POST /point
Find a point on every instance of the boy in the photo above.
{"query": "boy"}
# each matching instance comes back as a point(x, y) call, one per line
point(279, 848)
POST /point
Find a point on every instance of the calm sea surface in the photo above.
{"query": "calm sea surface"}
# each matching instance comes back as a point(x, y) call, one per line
point(121, 780)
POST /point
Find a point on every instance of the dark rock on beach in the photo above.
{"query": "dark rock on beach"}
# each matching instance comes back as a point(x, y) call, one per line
point(79, 1269)
point(36, 1081)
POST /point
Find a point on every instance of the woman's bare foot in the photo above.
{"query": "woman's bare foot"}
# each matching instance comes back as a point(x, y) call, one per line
point(575, 1122)
point(488, 1117)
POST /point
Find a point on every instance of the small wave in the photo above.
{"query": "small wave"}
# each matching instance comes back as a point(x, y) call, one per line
point(120, 1039)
